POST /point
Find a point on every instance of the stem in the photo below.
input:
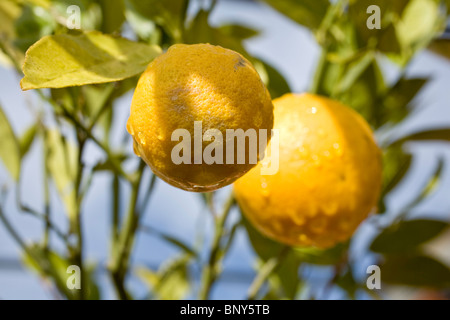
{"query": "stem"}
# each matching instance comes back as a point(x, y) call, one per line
point(46, 199)
point(117, 167)
point(320, 72)
point(116, 208)
point(122, 248)
point(78, 221)
point(267, 269)
point(212, 270)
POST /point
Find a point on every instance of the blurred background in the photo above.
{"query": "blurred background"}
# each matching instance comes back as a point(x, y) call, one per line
point(291, 49)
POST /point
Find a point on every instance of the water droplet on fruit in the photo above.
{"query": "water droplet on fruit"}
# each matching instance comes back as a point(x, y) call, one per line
point(160, 135)
point(313, 110)
point(141, 138)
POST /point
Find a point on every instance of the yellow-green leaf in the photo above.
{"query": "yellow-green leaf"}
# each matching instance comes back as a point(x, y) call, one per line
point(27, 139)
point(9, 151)
point(66, 60)
point(62, 165)
point(171, 282)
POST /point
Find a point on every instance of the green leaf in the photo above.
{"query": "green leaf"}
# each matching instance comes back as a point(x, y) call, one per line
point(49, 264)
point(171, 282)
point(264, 247)
point(441, 47)
point(62, 163)
point(308, 13)
point(113, 15)
point(397, 100)
point(73, 60)
point(168, 14)
point(329, 256)
point(144, 28)
point(284, 282)
point(180, 244)
point(172, 240)
point(55, 267)
point(276, 83)
point(27, 140)
point(416, 271)
point(354, 71)
point(33, 24)
point(388, 41)
point(9, 151)
point(96, 97)
point(9, 12)
point(10, 55)
point(238, 31)
point(396, 164)
point(90, 12)
point(390, 12)
point(347, 282)
point(433, 134)
point(407, 235)
point(106, 165)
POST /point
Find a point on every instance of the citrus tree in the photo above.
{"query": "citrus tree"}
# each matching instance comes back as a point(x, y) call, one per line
point(79, 57)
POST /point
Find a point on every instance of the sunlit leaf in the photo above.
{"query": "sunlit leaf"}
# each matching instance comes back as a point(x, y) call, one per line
point(415, 270)
point(72, 60)
point(407, 235)
point(9, 12)
point(418, 22)
point(9, 151)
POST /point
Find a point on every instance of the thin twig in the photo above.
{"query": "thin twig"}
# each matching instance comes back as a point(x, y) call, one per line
point(267, 269)
point(122, 248)
point(212, 270)
point(89, 134)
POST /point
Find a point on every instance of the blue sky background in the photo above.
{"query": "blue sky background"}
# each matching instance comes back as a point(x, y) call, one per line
point(292, 50)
